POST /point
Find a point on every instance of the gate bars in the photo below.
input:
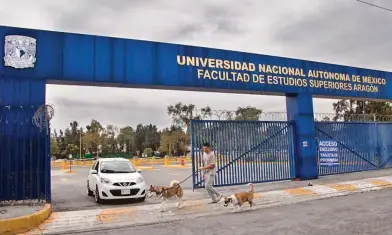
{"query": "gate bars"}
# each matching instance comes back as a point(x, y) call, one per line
point(247, 151)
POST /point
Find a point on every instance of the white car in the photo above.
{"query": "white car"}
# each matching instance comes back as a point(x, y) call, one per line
point(115, 178)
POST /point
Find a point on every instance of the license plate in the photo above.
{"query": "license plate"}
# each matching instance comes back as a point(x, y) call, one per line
point(125, 191)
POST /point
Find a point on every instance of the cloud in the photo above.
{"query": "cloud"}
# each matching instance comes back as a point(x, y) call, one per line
point(336, 31)
point(345, 33)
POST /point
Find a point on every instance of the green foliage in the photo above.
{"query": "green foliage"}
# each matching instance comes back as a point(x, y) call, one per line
point(95, 140)
point(345, 109)
point(248, 113)
point(148, 152)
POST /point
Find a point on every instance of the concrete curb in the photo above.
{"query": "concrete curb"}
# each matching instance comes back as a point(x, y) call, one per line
point(25, 223)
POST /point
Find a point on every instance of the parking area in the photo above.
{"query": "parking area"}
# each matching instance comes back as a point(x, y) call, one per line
point(69, 191)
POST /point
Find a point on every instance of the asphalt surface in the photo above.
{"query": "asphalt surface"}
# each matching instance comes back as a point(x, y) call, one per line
point(69, 192)
point(366, 213)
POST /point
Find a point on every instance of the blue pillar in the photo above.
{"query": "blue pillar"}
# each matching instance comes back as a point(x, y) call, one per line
point(24, 151)
point(300, 110)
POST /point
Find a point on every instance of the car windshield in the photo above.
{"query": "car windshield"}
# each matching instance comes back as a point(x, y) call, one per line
point(117, 167)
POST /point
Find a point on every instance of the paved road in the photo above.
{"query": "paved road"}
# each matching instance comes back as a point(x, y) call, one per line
point(367, 213)
point(69, 190)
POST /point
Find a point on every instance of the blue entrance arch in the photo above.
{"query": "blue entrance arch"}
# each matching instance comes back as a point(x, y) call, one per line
point(75, 59)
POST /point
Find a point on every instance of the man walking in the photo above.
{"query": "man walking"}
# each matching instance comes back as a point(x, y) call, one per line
point(209, 160)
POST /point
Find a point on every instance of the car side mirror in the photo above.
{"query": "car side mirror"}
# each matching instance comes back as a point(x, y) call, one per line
point(139, 171)
point(94, 172)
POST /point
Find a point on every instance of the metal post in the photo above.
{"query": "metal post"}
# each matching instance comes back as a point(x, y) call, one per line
point(80, 144)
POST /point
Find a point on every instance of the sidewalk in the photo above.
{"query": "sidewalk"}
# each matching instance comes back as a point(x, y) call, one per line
point(100, 219)
point(277, 185)
point(15, 219)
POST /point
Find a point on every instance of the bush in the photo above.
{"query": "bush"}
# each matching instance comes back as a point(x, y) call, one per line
point(148, 152)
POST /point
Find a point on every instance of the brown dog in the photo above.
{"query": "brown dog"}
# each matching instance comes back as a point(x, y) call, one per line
point(238, 199)
point(166, 193)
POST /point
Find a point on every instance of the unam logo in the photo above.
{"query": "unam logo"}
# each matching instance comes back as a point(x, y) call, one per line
point(20, 51)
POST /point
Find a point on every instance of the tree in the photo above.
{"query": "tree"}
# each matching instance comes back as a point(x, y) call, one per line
point(248, 113)
point(152, 137)
point(109, 141)
point(173, 140)
point(146, 137)
point(71, 149)
point(126, 139)
point(182, 114)
point(345, 109)
point(54, 148)
point(93, 138)
point(61, 143)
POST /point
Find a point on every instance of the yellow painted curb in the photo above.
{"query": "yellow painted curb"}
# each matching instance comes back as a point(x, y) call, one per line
point(342, 187)
point(381, 183)
point(25, 223)
point(300, 192)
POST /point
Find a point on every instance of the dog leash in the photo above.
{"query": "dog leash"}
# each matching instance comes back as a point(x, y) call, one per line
point(182, 181)
point(165, 189)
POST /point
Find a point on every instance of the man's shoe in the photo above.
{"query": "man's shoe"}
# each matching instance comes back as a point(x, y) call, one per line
point(214, 202)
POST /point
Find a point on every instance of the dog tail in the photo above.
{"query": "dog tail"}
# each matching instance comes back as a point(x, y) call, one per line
point(251, 187)
point(174, 183)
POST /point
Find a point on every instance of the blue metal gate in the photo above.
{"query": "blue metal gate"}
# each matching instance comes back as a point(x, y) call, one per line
point(360, 146)
point(247, 151)
point(24, 156)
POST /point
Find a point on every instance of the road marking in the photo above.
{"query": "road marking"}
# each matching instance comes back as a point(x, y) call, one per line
point(342, 187)
point(109, 215)
point(300, 191)
point(380, 183)
point(64, 179)
point(172, 174)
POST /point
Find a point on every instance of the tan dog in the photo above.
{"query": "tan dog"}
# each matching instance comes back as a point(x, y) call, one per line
point(238, 199)
point(166, 193)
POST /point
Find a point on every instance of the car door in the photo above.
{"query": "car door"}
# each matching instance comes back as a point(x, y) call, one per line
point(89, 174)
point(93, 177)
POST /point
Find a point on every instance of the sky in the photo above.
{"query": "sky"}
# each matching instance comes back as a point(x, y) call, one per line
point(333, 31)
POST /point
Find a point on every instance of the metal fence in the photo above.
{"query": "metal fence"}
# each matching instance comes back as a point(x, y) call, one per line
point(24, 155)
point(359, 146)
point(247, 151)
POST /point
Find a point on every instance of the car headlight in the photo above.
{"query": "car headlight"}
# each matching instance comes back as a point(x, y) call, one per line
point(139, 180)
point(105, 181)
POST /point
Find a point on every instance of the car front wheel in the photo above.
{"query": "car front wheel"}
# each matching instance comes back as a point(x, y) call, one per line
point(89, 191)
point(97, 197)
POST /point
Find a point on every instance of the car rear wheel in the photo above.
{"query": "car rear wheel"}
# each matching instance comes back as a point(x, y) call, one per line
point(97, 197)
point(89, 191)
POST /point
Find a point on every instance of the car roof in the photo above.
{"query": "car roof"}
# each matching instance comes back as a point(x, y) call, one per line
point(113, 160)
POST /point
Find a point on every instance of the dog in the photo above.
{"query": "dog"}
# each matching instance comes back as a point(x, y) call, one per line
point(166, 193)
point(237, 199)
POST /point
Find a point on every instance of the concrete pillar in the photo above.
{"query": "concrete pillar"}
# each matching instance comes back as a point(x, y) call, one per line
point(300, 110)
